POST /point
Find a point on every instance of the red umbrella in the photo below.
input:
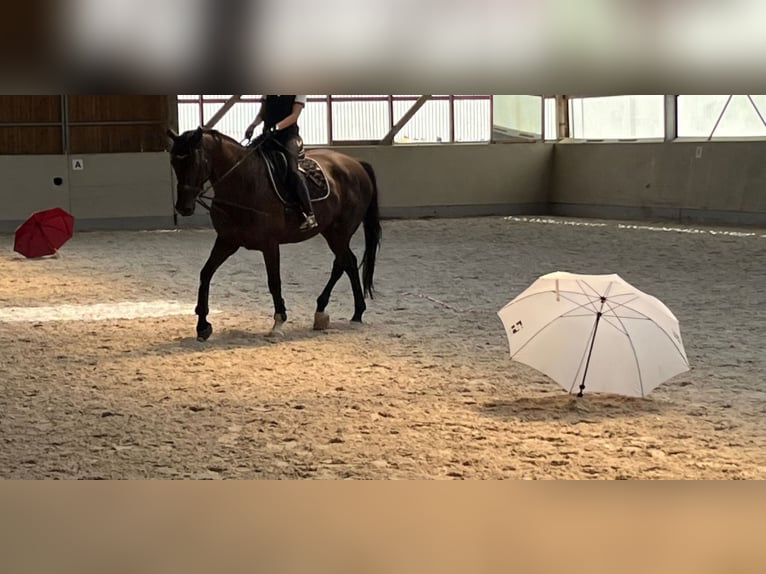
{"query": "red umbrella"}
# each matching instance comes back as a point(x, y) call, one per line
point(43, 233)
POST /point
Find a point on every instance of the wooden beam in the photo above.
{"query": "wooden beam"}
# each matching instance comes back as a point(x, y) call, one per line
point(64, 124)
point(562, 117)
point(222, 111)
point(671, 118)
point(173, 113)
point(389, 137)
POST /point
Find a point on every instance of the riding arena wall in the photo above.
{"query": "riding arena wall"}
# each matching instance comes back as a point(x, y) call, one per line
point(104, 158)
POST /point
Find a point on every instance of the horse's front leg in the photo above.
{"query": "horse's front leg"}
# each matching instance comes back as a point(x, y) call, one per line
point(221, 251)
point(271, 258)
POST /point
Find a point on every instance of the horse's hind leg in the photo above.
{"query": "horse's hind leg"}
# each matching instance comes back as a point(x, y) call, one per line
point(322, 319)
point(345, 261)
point(221, 251)
point(351, 267)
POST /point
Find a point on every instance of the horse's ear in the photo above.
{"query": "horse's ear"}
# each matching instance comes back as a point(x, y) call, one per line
point(172, 135)
point(196, 137)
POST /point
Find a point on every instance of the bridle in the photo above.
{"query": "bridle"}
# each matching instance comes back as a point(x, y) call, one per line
point(201, 190)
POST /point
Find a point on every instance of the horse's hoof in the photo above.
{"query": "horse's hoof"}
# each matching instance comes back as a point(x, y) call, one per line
point(356, 323)
point(205, 333)
point(277, 331)
point(321, 321)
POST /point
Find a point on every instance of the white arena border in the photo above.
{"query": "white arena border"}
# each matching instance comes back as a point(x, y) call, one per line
point(97, 311)
point(666, 229)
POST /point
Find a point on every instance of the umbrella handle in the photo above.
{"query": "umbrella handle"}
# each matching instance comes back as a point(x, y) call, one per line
point(56, 253)
point(42, 233)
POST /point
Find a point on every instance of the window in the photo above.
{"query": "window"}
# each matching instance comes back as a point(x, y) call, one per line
point(360, 118)
point(716, 116)
point(196, 110)
point(551, 117)
point(517, 118)
point(471, 118)
point(430, 124)
point(617, 117)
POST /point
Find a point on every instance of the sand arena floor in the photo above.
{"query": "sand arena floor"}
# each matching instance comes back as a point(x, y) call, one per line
point(108, 380)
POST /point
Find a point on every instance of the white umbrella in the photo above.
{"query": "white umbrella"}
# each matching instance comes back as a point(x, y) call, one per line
point(596, 332)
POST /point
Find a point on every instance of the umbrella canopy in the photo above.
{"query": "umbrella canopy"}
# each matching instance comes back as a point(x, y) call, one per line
point(43, 233)
point(594, 332)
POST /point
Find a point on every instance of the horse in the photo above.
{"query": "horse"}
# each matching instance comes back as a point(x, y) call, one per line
point(247, 211)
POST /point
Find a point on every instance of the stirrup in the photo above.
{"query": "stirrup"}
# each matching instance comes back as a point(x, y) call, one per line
point(310, 223)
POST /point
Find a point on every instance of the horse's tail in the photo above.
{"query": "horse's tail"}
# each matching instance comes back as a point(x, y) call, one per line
point(372, 234)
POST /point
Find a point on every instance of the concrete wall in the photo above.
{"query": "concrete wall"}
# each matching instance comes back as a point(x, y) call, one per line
point(710, 182)
point(122, 191)
point(452, 180)
point(461, 179)
point(135, 191)
point(27, 185)
point(725, 184)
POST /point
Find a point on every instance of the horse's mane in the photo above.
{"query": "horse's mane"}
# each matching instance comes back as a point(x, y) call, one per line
point(220, 136)
point(182, 144)
point(238, 152)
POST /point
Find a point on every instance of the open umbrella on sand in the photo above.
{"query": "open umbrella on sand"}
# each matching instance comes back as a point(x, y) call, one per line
point(594, 332)
point(43, 233)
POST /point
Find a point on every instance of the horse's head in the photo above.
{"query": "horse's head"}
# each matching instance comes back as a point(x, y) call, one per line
point(192, 167)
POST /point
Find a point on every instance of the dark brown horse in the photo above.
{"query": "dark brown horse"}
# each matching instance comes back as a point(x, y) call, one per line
point(247, 212)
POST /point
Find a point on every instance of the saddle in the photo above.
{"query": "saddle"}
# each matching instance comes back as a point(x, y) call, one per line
point(276, 164)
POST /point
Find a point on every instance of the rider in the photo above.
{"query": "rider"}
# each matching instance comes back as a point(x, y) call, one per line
point(279, 115)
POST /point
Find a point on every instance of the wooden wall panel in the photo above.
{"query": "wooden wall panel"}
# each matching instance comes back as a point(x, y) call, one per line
point(117, 139)
point(117, 108)
point(97, 123)
point(30, 109)
point(30, 140)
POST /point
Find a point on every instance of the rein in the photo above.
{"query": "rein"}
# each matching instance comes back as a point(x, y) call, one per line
point(202, 196)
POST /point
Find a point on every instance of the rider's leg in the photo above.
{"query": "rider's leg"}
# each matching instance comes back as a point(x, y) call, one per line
point(293, 148)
